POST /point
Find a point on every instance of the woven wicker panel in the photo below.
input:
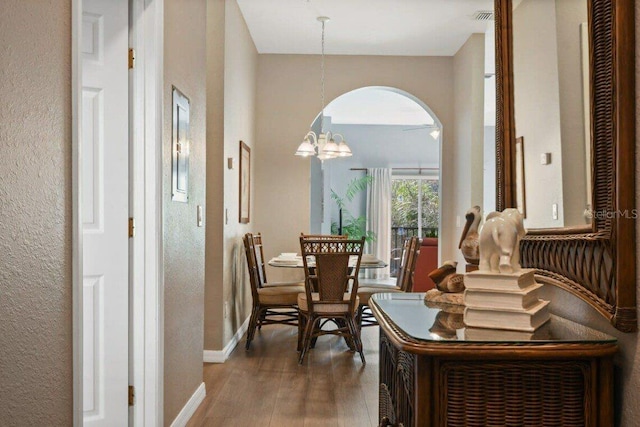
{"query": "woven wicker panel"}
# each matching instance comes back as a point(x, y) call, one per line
point(385, 405)
point(514, 393)
point(603, 111)
point(405, 383)
point(580, 262)
point(333, 271)
point(259, 254)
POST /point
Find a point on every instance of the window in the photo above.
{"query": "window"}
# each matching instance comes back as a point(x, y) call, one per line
point(414, 212)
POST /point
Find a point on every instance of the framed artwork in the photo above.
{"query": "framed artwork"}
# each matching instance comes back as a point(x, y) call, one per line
point(521, 200)
point(245, 182)
point(180, 140)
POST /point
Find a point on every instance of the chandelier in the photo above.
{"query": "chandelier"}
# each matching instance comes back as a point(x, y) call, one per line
point(324, 144)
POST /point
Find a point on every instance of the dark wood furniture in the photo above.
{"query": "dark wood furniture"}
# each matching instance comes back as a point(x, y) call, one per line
point(331, 291)
point(433, 372)
point(404, 282)
point(274, 303)
point(597, 263)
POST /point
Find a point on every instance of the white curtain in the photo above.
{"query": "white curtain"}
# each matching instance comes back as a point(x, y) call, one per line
point(379, 220)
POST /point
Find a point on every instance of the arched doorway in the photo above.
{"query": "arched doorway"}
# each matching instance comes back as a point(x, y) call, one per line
point(386, 128)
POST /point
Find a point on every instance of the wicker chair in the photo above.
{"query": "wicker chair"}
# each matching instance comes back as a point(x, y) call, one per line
point(324, 236)
point(274, 304)
point(404, 282)
point(259, 260)
point(333, 300)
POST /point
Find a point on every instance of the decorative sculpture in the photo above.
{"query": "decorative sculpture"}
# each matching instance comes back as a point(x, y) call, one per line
point(446, 278)
point(500, 241)
point(469, 240)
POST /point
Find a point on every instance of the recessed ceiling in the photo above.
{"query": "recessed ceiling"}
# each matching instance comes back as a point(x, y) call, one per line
point(364, 27)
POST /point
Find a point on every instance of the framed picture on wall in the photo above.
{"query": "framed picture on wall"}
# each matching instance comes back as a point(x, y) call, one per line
point(180, 147)
point(245, 182)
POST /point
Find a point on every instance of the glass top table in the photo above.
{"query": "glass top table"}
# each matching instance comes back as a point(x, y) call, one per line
point(366, 262)
point(425, 322)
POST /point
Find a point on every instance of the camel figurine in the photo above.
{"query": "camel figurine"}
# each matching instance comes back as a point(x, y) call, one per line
point(500, 241)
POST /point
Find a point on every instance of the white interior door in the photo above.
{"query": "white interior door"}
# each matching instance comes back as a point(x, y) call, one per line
point(105, 189)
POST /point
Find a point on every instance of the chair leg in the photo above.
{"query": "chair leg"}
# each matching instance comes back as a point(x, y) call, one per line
point(253, 321)
point(301, 329)
point(356, 338)
point(263, 316)
point(308, 336)
point(359, 315)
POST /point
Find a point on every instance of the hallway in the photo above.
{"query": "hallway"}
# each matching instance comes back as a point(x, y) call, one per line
point(265, 386)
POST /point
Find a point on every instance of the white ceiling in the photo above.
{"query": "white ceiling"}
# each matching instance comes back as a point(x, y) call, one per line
point(364, 27)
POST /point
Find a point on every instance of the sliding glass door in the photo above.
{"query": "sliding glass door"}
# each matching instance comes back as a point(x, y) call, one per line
point(414, 212)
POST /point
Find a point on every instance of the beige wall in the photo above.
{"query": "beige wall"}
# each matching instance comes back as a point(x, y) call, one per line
point(468, 139)
point(569, 15)
point(287, 103)
point(233, 87)
point(214, 248)
point(35, 214)
point(537, 108)
point(627, 378)
point(35, 222)
point(184, 68)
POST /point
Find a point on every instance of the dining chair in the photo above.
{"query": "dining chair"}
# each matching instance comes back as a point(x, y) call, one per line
point(336, 296)
point(260, 262)
point(324, 236)
point(404, 282)
point(275, 304)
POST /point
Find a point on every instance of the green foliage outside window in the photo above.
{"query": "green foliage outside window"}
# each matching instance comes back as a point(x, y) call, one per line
point(354, 227)
point(404, 209)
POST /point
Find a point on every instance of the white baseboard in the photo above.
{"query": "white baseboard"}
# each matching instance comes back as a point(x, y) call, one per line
point(190, 408)
point(220, 356)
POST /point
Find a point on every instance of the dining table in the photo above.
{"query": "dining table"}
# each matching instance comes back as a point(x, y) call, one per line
point(290, 260)
point(293, 260)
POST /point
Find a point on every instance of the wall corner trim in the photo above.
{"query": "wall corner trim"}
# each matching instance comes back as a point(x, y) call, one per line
point(190, 407)
point(220, 356)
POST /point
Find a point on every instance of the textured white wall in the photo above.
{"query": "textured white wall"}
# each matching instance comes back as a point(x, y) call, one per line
point(35, 214)
point(184, 68)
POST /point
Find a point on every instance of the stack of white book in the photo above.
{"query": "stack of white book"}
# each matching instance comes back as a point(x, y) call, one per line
point(504, 301)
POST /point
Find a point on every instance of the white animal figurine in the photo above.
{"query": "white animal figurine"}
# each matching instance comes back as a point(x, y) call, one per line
point(469, 240)
point(500, 242)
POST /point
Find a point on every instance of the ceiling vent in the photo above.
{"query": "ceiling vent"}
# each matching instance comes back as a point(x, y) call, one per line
point(483, 15)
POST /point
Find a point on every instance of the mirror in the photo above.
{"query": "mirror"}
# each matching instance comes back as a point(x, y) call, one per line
point(552, 113)
point(595, 262)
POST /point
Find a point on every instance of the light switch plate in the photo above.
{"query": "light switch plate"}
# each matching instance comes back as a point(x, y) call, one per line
point(554, 211)
point(545, 158)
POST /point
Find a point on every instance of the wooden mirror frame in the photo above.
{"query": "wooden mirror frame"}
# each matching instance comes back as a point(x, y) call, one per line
point(596, 262)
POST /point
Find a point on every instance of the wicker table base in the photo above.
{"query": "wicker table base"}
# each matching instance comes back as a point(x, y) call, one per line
point(451, 380)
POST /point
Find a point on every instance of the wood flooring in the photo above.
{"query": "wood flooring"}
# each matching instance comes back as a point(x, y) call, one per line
point(265, 386)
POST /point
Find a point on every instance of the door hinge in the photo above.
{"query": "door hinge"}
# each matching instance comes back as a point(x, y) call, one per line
point(132, 58)
point(132, 395)
point(132, 227)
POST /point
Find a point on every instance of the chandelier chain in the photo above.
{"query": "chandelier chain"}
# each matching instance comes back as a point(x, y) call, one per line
point(322, 81)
